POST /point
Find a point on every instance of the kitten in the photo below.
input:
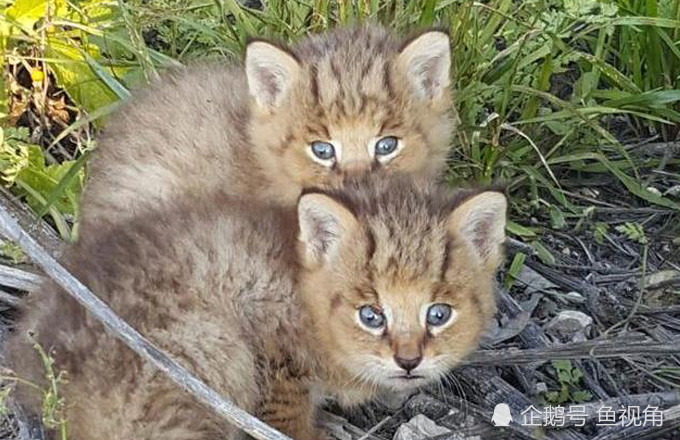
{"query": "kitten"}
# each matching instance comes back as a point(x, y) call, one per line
point(386, 284)
point(350, 101)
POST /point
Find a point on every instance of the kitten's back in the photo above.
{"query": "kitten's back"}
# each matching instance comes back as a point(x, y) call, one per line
point(210, 268)
point(183, 132)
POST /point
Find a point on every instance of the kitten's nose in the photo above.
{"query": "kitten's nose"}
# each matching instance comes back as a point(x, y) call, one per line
point(408, 364)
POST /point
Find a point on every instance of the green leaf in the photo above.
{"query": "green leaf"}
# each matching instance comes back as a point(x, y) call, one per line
point(543, 253)
point(561, 365)
point(514, 270)
point(74, 74)
point(633, 231)
point(43, 180)
point(519, 230)
point(107, 78)
point(427, 14)
point(581, 396)
point(557, 217)
point(68, 182)
point(631, 184)
point(650, 98)
point(600, 232)
point(646, 21)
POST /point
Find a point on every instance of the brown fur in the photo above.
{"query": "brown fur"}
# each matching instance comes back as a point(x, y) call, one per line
point(199, 128)
point(231, 295)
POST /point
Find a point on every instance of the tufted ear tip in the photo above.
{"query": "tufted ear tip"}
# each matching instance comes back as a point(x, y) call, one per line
point(323, 223)
point(480, 222)
point(426, 62)
point(270, 72)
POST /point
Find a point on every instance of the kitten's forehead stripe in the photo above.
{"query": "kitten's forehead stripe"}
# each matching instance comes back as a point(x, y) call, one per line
point(314, 73)
point(336, 301)
point(367, 295)
point(387, 81)
point(320, 131)
point(370, 247)
point(445, 260)
point(390, 126)
point(355, 75)
point(365, 69)
point(477, 301)
point(405, 248)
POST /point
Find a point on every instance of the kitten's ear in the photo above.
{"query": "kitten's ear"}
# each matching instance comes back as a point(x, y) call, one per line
point(426, 61)
point(270, 72)
point(324, 225)
point(480, 223)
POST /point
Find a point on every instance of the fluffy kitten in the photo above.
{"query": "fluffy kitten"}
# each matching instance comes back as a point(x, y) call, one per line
point(387, 283)
point(352, 100)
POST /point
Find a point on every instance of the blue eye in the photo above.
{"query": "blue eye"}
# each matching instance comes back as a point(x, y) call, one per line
point(386, 145)
point(438, 314)
point(371, 317)
point(323, 150)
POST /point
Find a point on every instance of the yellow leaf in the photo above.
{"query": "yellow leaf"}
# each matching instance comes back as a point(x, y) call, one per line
point(76, 76)
point(27, 12)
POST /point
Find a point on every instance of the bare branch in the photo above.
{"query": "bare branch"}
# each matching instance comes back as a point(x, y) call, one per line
point(18, 279)
point(593, 349)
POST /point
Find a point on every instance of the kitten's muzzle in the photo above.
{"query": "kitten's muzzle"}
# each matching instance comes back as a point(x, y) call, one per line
point(408, 364)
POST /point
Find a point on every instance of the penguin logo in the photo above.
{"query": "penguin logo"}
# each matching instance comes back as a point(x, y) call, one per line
point(501, 415)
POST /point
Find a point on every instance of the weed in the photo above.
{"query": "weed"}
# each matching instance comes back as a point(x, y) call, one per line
point(569, 380)
point(53, 404)
point(53, 411)
point(13, 252)
point(633, 231)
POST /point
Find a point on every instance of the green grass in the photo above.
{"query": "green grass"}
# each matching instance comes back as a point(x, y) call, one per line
point(538, 84)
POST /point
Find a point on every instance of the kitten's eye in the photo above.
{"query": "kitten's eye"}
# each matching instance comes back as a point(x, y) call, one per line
point(438, 314)
point(371, 317)
point(386, 146)
point(323, 150)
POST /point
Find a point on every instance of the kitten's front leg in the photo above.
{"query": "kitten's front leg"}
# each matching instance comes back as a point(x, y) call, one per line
point(289, 407)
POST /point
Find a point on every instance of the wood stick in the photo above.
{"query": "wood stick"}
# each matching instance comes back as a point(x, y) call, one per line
point(18, 279)
point(593, 349)
point(133, 339)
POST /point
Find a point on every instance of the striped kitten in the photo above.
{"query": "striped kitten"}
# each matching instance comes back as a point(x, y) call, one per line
point(350, 101)
point(386, 284)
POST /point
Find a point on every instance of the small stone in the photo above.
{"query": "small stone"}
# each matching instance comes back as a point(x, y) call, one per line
point(653, 190)
point(425, 405)
point(541, 387)
point(589, 192)
point(673, 191)
point(569, 325)
point(661, 279)
point(576, 297)
point(419, 427)
point(458, 419)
